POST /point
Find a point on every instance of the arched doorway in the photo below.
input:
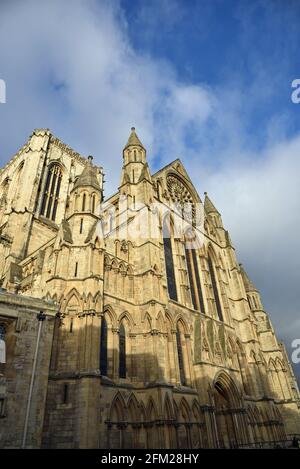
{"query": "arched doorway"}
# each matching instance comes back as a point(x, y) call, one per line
point(227, 405)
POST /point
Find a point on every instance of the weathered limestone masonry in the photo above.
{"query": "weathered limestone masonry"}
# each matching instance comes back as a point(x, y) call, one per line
point(154, 344)
point(18, 315)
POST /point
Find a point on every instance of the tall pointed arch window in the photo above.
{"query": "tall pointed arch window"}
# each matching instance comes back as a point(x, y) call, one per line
point(180, 356)
point(51, 192)
point(193, 271)
point(93, 203)
point(215, 288)
point(103, 347)
point(122, 351)
point(83, 202)
point(168, 251)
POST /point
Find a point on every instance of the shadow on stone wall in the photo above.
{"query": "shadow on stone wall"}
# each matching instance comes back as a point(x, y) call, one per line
point(150, 408)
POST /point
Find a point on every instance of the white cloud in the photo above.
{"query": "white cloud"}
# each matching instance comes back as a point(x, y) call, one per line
point(77, 73)
point(259, 200)
point(74, 70)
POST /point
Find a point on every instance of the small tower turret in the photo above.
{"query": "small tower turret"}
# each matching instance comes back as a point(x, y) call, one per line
point(253, 295)
point(85, 198)
point(211, 210)
point(135, 172)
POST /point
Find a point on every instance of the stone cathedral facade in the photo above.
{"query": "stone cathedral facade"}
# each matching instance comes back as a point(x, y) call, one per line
point(143, 341)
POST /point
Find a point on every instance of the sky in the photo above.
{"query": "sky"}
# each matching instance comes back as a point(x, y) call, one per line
point(208, 81)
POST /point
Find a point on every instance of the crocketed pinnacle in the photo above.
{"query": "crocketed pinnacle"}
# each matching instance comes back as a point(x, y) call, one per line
point(88, 176)
point(133, 140)
point(208, 205)
point(249, 286)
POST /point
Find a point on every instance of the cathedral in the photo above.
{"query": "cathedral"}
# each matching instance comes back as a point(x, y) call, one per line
point(127, 321)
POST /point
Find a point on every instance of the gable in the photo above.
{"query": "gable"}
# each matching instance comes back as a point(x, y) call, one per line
point(177, 169)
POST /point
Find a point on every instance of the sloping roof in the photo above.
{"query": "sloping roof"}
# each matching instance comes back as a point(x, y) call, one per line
point(133, 140)
point(171, 166)
point(66, 232)
point(88, 177)
point(249, 286)
point(95, 229)
point(145, 173)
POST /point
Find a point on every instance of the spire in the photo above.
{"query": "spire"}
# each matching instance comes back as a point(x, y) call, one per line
point(208, 205)
point(88, 176)
point(135, 167)
point(249, 286)
point(228, 239)
point(133, 140)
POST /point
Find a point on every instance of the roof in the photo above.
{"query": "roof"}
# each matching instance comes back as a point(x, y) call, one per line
point(66, 231)
point(133, 140)
point(88, 177)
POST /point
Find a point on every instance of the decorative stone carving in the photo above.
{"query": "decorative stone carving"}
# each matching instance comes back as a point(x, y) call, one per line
point(181, 195)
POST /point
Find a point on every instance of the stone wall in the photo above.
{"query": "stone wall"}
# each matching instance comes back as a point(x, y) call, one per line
point(203, 369)
point(18, 315)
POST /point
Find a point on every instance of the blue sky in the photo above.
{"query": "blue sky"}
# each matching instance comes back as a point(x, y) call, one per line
point(208, 81)
point(240, 45)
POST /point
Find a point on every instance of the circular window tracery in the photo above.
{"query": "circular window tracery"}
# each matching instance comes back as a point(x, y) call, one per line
point(181, 196)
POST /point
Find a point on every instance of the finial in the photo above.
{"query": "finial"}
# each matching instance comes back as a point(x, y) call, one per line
point(90, 158)
point(133, 139)
point(205, 193)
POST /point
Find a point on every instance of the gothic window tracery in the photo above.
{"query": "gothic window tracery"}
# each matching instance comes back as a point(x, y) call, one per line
point(103, 347)
point(180, 357)
point(215, 288)
point(193, 273)
point(181, 196)
point(122, 351)
point(168, 252)
point(83, 202)
point(51, 192)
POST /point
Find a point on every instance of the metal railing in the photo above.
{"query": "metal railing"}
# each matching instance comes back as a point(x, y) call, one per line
point(292, 442)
